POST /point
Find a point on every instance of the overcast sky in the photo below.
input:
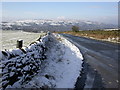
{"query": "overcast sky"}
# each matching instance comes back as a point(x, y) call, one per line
point(106, 12)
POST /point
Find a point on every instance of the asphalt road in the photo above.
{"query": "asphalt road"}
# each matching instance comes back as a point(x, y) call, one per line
point(101, 56)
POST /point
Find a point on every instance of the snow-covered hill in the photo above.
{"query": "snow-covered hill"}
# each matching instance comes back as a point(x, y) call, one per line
point(54, 25)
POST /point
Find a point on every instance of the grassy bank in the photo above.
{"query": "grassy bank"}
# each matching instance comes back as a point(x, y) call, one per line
point(112, 36)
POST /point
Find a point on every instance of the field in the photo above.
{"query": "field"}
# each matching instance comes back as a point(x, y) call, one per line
point(9, 38)
point(112, 36)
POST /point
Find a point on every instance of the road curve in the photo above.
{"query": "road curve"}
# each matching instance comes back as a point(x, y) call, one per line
point(102, 56)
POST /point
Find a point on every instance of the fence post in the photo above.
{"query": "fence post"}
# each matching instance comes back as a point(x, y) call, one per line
point(19, 43)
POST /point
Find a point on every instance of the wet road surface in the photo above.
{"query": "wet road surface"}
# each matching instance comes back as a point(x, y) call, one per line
point(101, 56)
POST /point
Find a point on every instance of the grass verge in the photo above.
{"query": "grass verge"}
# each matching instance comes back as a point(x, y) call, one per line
point(111, 36)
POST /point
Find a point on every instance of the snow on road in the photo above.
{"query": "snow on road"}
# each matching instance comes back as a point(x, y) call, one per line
point(61, 68)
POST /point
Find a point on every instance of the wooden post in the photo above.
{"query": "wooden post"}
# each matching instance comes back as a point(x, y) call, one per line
point(19, 43)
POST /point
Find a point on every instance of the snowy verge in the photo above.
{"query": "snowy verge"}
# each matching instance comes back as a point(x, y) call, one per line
point(61, 68)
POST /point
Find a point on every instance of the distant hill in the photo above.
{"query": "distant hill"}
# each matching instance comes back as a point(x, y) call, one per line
point(54, 25)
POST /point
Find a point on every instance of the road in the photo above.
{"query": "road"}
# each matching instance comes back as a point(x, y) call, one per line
point(101, 56)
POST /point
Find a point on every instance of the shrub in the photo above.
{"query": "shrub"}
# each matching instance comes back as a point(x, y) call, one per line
point(75, 28)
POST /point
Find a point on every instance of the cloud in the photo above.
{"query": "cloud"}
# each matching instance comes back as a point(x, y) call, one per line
point(108, 19)
point(61, 17)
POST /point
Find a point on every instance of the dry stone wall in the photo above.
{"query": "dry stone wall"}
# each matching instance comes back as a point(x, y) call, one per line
point(21, 65)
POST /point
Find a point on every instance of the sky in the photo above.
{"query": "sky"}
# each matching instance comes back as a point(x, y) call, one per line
point(106, 12)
